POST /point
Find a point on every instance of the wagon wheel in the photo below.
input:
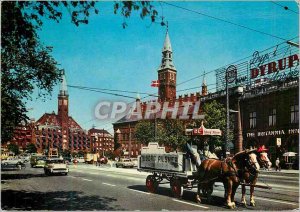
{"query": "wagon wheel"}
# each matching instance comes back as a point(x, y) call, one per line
point(207, 190)
point(177, 188)
point(151, 184)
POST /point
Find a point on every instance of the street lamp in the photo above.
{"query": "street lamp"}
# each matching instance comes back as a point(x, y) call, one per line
point(230, 76)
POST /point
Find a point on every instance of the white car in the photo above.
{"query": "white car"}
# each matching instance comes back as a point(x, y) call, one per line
point(11, 161)
point(56, 166)
point(134, 161)
point(124, 162)
point(80, 159)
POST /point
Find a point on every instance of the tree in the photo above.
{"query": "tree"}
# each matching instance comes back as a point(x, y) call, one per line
point(169, 133)
point(215, 118)
point(117, 145)
point(26, 63)
point(31, 148)
point(80, 154)
point(13, 148)
point(174, 133)
point(145, 132)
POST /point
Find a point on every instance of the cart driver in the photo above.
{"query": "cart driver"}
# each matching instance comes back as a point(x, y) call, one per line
point(192, 153)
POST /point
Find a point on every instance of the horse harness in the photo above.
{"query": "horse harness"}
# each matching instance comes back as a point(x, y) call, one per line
point(229, 162)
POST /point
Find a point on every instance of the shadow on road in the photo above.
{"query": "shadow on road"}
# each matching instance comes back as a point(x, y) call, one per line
point(19, 176)
point(190, 196)
point(56, 200)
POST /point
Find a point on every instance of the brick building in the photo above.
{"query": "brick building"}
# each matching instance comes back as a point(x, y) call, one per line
point(102, 141)
point(55, 131)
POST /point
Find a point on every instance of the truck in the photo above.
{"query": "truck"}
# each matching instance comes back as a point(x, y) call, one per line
point(90, 157)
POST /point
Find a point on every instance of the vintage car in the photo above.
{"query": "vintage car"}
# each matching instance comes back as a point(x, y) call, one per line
point(56, 166)
point(37, 161)
point(12, 163)
point(134, 161)
point(124, 162)
point(11, 160)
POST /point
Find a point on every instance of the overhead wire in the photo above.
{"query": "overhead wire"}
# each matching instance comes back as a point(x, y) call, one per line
point(284, 7)
point(223, 20)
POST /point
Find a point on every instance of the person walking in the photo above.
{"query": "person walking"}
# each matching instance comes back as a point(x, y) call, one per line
point(277, 164)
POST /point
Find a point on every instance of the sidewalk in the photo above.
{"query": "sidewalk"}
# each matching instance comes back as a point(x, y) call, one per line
point(109, 168)
point(282, 171)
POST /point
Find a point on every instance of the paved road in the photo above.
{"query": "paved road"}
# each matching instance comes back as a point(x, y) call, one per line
point(93, 188)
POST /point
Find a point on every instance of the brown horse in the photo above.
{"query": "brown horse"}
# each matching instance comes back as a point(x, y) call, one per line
point(228, 171)
point(250, 177)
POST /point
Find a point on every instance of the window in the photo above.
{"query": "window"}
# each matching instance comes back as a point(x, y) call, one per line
point(294, 114)
point(252, 119)
point(272, 117)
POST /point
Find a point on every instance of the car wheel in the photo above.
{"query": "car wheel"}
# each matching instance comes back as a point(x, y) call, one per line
point(117, 166)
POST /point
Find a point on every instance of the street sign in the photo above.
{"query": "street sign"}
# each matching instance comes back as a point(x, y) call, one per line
point(231, 73)
point(278, 141)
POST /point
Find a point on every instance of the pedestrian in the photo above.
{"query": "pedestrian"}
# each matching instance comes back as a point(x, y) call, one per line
point(277, 164)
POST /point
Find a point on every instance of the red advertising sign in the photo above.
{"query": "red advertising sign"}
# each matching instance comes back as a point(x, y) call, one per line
point(203, 131)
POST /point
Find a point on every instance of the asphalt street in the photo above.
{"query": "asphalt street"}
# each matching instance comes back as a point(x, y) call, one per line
point(107, 188)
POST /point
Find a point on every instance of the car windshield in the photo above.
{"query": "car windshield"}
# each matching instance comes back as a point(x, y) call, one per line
point(55, 161)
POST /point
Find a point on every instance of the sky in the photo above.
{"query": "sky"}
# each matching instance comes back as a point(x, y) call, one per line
point(104, 55)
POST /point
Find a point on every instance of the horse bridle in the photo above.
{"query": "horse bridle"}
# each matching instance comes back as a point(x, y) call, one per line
point(251, 165)
point(263, 162)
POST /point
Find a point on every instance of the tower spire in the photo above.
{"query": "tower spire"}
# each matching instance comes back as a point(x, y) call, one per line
point(167, 54)
point(167, 72)
point(63, 91)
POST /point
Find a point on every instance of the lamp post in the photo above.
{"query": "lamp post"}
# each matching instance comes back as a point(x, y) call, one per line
point(239, 91)
point(118, 132)
point(230, 76)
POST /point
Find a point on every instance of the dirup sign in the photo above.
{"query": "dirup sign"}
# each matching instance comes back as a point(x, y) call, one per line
point(275, 65)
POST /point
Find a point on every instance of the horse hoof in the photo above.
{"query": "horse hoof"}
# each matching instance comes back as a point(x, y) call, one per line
point(231, 205)
point(252, 204)
point(198, 200)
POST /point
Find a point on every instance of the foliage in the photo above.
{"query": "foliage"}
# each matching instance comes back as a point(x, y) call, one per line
point(174, 133)
point(80, 154)
point(31, 148)
point(65, 153)
point(168, 132)
point(26, 63)
point(117, 144)
point(215, 118)
point(13, 148)
point(110, 155)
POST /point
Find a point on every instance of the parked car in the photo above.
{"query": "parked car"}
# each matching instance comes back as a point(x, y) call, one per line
point(79, 159)
point(12, 162)
point(25, 158)
point(124, 162)
point(56, 166)
point(38, 160)
point(134, 161)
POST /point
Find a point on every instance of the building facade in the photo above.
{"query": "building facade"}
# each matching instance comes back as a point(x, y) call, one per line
point(56, 131)
point(102, 141)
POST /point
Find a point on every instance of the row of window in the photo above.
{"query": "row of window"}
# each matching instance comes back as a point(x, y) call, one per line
point(294, 117)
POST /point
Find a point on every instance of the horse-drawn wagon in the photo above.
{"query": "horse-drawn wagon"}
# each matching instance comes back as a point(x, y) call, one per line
point(179, 169)
point(182, 171)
